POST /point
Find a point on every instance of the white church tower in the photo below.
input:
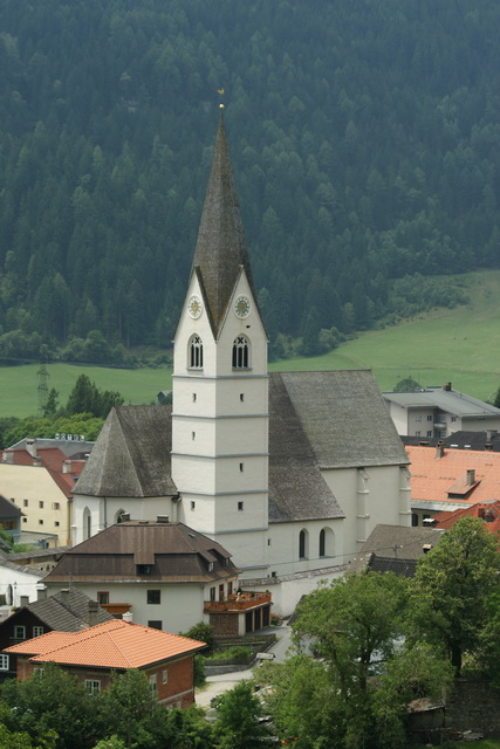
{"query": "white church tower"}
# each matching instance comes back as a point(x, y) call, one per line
point(220, 384)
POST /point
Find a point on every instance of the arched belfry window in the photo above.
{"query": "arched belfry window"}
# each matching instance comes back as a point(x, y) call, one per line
point(195, 352)
point(241, 352)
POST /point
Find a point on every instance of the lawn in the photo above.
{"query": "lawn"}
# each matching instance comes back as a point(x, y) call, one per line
point(460, 345)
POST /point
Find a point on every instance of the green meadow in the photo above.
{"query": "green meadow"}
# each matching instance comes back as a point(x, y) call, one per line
point(461, 345)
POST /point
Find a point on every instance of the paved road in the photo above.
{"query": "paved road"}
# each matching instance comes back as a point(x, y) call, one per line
point(216, 685)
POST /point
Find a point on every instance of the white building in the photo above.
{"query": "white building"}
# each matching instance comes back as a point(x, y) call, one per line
point(289, 472)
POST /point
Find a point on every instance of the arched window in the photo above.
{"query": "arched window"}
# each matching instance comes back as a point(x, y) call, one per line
point(195, 352)
point(241, 352)
point(303, 544)
point(326, 543)
point(87, 523)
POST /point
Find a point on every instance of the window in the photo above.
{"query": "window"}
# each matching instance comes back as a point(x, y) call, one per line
point(212, 594)
point(193, 435)
point(56, 505)
point(25, 520)
point(194, 397)
point(25, 503)
point(429, 433)
point(429, 418)
point(322, 542)
point(154, 596)
point(193, 504)
point(240, 506)
point(57, 523)
point(453, 418)
point(164, 676)
point(195, 352)
point(153, 685)
point(221, 592)
point(241, 349)
point(269, 542)
point(418, 419)
point(40, 522)
point(87, 523)
point(144, 569)
point(102, 596)
point(40, 504)
point(414, 519)
point(241, 467)
point(93, 686)
point(37, 631)
point(303, 544)
point(19, 632)
point(418, 433)
point(4, 662)
point(242, 397)
point(230, 588)
point(155, 624)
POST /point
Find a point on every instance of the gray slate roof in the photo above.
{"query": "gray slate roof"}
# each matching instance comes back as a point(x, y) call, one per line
point(395, 548)
point(220, 250)
point(175, 553)
point(67, 611)
point(451, 401)
point(345, 418)
point(317, 420)
point(131, 457)
point(297, 490)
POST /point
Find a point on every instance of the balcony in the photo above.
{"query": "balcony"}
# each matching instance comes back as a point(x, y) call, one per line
point(238, 602)
point(116, 609)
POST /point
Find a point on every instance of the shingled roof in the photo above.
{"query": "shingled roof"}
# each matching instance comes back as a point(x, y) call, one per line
point(345, 418)
point(297, 490)
point(131, 457)
point(173, 552)
point(220, 250)
point(67, 610)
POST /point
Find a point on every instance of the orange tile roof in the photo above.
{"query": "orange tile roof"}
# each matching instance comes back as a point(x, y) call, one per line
point(432, 478)
point(112, 644)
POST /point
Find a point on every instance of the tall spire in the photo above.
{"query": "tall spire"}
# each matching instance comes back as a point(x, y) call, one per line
point(220, 248)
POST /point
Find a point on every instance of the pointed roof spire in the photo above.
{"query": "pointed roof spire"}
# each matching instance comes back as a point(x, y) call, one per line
point(220, 249)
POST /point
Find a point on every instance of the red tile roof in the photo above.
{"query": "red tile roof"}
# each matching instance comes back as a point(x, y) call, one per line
point(434, 478)
point(112, 644)
point(487, 511)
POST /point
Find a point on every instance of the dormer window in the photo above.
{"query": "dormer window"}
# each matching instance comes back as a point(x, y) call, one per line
point(195, 352)
point(210, 566)
point(144, 569)
point(241, 352)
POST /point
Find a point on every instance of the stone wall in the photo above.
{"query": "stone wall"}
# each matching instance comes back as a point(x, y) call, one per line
point(474, 705)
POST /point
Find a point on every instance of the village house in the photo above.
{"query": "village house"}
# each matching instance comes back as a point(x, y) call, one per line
point(437, 412)
point(38, 476)
point(162, 574)
point(96, 653)
point(68, 610)
point(445, 480)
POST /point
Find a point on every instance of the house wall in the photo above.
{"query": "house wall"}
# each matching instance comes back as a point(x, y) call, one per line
point(180, 607)
point(399, 416)
point(27, 487)
point(420, 422)
point(15, 582)
point(475, 424)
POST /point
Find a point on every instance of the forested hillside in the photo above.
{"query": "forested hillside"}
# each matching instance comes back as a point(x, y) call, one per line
point(365, 138)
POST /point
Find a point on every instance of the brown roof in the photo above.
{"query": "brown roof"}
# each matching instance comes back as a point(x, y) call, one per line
point(174, 553)
point(113, 644)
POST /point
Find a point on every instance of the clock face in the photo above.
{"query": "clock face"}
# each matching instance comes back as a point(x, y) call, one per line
point(242, 306)
point(195, 307)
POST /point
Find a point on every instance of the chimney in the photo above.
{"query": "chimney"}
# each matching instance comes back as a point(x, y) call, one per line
point(128, 617)
point(41, 592)
point(66, 466)
point(429, 522)
point(24, 601)
point(471, 476)
point(440, 453)
point(426, 548)
point(162, 519)
point(92, 613)
point(64, 596)
point(447, 387)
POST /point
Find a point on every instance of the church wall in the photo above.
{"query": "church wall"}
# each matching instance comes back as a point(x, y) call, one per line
point(283, 549)
point(211, 437)
point(223, 513)
point(368, 496)
point(248, 549)
point(221, 397)
point(104, 512)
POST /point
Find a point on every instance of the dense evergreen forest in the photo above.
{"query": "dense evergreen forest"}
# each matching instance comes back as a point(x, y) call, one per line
point(364, 136)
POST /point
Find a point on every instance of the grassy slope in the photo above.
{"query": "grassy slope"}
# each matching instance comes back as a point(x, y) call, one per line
point(461, 345)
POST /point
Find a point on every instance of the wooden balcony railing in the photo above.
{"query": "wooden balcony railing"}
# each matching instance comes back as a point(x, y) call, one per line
point(248, 599)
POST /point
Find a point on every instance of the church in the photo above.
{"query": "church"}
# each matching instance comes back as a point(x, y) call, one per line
point(290, 472)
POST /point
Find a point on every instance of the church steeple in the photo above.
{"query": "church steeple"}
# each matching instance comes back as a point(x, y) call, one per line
point(220, 248)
